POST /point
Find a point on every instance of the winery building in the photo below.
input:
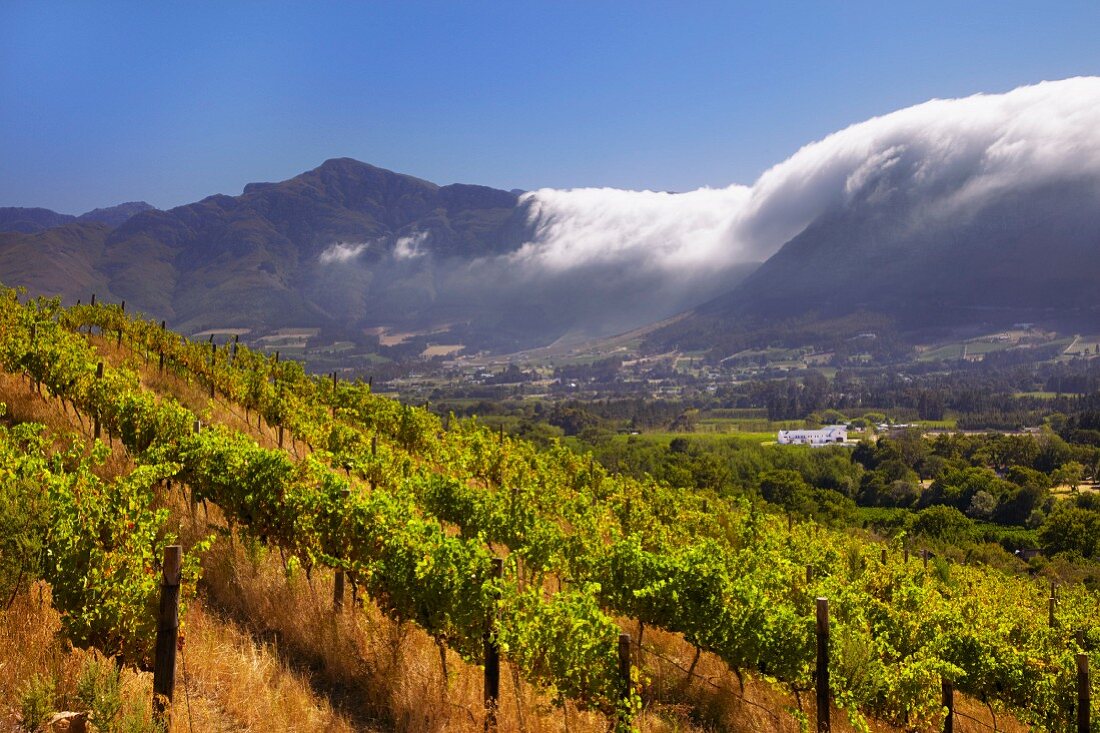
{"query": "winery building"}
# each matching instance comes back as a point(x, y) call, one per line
point(830, 435)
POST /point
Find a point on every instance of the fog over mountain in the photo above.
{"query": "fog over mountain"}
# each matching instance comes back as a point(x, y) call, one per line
point(945, 157)
point(879, 208)
point(630, 256)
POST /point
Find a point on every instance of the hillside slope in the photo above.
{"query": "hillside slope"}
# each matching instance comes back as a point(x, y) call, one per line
point(1031, 255)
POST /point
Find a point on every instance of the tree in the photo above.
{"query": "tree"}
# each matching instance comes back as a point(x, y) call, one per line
point(930, 405)
point(1068, 474)
point(572, 419)
point(1070, 529)
point(787, 489)
point(932, 466)
point(815, 391)
point(1029, 477)
point(1018, 507)
point(685, 422)
point(904, 493)
point(943, 523)
point(908, 446)
point(982, 506)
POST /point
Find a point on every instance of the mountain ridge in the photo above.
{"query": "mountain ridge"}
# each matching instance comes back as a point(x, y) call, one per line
point(1030, 255)
point(258, 259)
point(350, 248)
point(35, 219)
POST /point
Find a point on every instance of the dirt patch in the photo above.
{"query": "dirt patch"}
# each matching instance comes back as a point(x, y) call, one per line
point(441, 350)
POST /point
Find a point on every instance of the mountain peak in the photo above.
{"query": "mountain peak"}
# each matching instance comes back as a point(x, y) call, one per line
point(114, 216)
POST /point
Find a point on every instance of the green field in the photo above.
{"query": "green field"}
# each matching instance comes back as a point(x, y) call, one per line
point(949, 352)
point(667, 437)
point(945, 424)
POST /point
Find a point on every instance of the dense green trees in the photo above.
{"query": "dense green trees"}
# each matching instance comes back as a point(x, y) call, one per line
point(1072, 529)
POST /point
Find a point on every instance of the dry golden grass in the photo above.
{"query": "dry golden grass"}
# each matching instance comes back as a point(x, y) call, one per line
point(377, 672)
point(226, 680)
point(31, 646)
point(24, 404)
point(28, 647)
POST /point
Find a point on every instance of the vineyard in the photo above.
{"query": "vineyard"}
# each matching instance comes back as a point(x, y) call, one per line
point(411, 509)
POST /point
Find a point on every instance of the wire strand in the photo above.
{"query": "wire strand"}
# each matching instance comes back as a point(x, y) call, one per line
point(187, 689)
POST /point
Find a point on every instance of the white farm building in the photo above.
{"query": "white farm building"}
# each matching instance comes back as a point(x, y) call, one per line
point(830, 435)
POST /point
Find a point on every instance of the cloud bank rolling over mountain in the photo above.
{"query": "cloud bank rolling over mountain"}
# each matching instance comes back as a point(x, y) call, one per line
point(999, 191)
point(941, 159)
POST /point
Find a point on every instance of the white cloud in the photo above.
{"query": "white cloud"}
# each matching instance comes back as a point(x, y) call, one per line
point(342, 252)
point(654, 229)
point(943, 155)
point(408, 247)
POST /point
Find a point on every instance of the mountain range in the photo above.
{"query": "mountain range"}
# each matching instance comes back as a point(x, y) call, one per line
point(349, 247)
point(1027, 256)
point(338, 247)
point(955, 214)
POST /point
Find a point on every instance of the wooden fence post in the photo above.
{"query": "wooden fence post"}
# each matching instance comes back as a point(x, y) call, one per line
point(492, 658)
point(949, 703)
point(823, 725)
point(1052, 603)
point(93, 298)
point(624, 666)
point(924, 555)
point(338, 591)
point(96, 426)
point(1083, 701)
point(356, 601)
point(883, 556)
point(168, 624)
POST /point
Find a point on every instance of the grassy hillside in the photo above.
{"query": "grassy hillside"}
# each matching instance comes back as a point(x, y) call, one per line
point(717, 584)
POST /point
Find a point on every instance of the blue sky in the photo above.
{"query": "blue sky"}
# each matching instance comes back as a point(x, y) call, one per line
point(108, 102)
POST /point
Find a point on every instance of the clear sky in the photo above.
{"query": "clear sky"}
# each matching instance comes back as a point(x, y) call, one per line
point(169, 102)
